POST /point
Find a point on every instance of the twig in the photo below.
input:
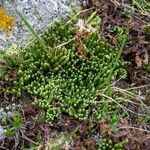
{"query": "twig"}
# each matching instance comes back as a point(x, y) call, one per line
point(3, 148)
point(26, 138)
point(16, 138)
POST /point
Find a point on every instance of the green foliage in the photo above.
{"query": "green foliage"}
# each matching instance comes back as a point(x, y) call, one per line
point(16, 124)
point(7, 62)
point(128, 13)
point(143, 5)
point(110, 145)
point(16, 121)
point(147, 68)
point(120, 34)
point(104, 143)
point(66, 78)
point(147, 28)
point(10, 133)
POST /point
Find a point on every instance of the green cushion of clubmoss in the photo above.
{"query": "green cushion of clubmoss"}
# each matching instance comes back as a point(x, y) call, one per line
point(106, 144)
point(61, 81)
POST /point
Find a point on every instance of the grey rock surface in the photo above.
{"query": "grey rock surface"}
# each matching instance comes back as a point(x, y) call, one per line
point(2, 132)
point(38, 12)
point(9, 111)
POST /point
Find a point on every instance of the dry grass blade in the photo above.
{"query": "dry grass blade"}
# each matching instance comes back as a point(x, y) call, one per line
point(138, 87)
point(130, 94)
point(3, 148)
point(132, 8)
point(63, 44)
point(121, 106)
point(131, 127)
point(127, 100)
point(82, 11)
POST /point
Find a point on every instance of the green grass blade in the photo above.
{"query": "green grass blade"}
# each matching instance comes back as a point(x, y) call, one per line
point(8, 59)
point(108, 79)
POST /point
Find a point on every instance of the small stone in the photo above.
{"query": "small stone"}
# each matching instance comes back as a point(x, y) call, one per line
point(2, 131)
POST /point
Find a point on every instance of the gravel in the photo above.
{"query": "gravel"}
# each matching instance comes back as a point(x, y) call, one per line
point(38, 12)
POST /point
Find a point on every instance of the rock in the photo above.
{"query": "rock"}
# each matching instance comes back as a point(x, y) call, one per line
point(1, 132)
point(38, 12)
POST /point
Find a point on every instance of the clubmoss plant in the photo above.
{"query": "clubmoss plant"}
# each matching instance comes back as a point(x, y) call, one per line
point(106, 144)
point(142, 5)
point(66, 78)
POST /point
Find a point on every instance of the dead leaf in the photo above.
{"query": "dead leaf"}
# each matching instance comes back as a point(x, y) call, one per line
point(138, 61)
point(105, 128)
point(96, 3)
point(146, 144)
point(146, 58)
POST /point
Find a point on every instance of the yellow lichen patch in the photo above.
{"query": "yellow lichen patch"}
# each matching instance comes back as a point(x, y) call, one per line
point(6, 21)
